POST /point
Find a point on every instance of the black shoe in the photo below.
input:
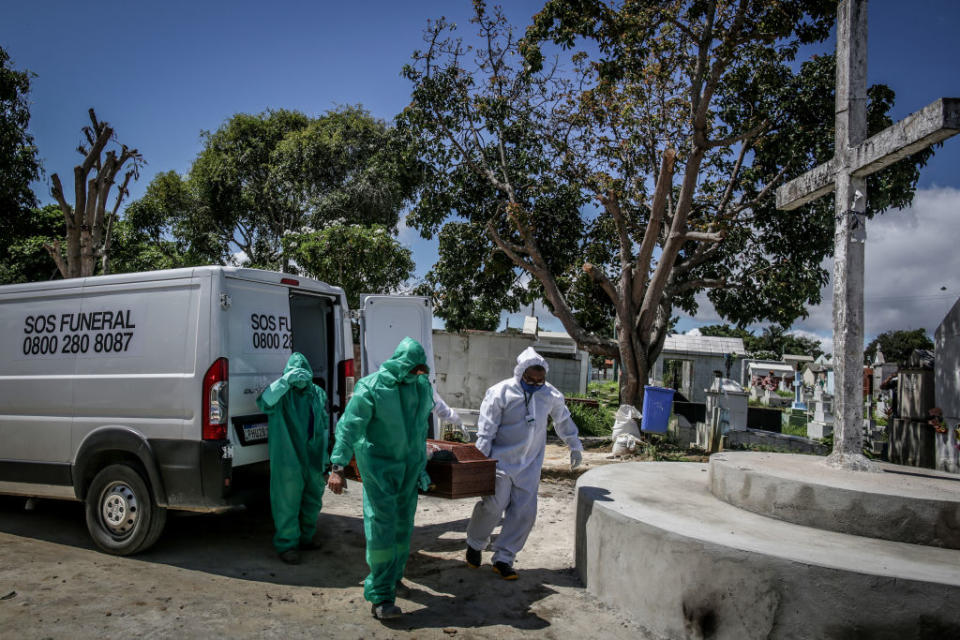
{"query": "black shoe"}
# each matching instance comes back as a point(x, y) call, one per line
point(506, 571)
point(385, 611)
point(290, 556)
point(311, 545)
point(402, 590)
point(474, 557)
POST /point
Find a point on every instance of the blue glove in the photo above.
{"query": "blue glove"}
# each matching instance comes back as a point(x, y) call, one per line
point(576, 457)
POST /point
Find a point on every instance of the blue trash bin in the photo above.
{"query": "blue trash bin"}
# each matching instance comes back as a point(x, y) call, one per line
point(657, 404)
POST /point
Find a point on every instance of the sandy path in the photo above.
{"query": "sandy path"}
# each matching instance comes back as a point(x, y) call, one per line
point(217, 575)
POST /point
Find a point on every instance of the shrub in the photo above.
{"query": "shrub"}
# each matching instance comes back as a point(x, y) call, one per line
point(592, 421)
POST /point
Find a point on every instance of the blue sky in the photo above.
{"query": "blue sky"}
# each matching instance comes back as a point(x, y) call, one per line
point(162, 74)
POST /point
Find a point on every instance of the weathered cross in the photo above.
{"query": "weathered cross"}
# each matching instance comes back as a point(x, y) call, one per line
point(854, 159)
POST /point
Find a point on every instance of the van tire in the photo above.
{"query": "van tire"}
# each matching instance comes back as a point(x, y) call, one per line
point(121, 515)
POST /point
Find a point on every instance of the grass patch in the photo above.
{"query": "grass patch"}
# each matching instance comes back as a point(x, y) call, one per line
point(592, 421)
point(794, 430)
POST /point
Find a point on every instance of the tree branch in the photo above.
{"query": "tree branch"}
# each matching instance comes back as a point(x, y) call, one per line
point(657, 212)
point(601, 279)
point(704, 237)
point(55, 253)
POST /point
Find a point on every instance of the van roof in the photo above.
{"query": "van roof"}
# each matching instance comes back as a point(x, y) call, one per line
point(256, 275)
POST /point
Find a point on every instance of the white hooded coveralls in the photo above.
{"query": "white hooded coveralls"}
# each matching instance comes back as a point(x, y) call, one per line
point(504, 433)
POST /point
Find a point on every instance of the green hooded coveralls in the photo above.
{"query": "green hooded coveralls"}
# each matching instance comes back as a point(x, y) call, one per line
point(297, 439)
point(385, 426)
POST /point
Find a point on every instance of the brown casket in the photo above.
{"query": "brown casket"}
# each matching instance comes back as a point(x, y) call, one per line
point(471, 475)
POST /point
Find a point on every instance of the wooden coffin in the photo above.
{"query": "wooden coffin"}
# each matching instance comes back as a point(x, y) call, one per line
point(471, 475)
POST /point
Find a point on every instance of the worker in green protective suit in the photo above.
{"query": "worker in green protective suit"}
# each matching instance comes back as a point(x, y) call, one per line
point(296, 411)
point(385, 427)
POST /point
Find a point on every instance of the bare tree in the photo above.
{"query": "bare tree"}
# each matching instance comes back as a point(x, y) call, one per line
point(89, 224)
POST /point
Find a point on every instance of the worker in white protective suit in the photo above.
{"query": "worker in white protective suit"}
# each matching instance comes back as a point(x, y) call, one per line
point(442, 411)
point(512, 428)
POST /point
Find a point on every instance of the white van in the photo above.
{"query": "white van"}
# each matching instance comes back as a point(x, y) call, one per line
point(114, 389)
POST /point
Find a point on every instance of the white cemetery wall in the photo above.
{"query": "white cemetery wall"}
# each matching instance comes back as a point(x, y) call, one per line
point(467, 364)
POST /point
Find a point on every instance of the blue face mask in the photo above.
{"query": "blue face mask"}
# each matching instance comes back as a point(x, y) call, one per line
point(530, 388)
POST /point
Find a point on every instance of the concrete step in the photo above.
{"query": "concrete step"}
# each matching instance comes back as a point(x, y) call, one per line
point(906, 504)
point(652, 539)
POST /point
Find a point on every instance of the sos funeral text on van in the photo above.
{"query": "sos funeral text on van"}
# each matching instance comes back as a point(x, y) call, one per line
point(82, 332)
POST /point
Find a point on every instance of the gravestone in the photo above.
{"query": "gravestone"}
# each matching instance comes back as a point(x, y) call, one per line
point(857, 157)
point(822, 423)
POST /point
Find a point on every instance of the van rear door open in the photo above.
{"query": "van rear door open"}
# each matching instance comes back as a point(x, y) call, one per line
point(386, 320)
point(267, 323)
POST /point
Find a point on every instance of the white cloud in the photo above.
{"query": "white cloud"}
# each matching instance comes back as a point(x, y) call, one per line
point(825, 341)
point(911, 255)
point(694, 332)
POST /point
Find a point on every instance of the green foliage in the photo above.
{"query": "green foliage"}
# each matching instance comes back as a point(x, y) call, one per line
point(470, 284)
point(360, 259)
point(22, 256)
point(18, 155)
point(591, 421)
point(262, 176)
point(23, 228)
point(794, 430)
point(135, 251)
point(780, 255)
point(772, 343)
point(554, 165)
point(897, 345)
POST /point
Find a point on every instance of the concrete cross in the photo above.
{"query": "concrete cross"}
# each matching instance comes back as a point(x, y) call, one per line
point(854, 159)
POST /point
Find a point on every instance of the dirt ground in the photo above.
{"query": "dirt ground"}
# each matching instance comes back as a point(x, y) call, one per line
point(212, 576)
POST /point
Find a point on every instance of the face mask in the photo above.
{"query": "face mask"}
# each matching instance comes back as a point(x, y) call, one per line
point(530, 388)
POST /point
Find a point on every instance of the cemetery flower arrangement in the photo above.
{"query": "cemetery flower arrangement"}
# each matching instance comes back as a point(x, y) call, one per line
point(936, 420)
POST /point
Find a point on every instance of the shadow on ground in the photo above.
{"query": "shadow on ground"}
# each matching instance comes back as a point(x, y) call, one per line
point(238, 545)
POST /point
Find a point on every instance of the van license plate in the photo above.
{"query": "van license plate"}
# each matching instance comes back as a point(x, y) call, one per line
point(255, 433)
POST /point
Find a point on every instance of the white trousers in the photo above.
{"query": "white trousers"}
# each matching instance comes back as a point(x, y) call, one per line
point(516, 503)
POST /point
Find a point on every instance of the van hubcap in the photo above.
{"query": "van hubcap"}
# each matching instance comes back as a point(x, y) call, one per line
point(119, 508)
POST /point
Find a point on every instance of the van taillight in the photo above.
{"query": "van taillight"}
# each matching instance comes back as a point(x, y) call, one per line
point(345, 368)
point(215, 400)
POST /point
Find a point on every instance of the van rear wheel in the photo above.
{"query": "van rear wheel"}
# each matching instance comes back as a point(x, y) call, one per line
point(121, 515)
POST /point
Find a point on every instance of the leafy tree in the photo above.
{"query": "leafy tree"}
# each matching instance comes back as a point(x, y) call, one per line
point(569, 168)
point(23, 258)
point(135, 251)
point(89, 224)
point(358, 258)
point(897, 345)
point(774, 340)
point(18, 155)
point(467, 283)
point(170, 217)
point(261, 176)
point(18, 167)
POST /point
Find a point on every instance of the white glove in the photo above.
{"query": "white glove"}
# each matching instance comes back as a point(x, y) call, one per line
point(576, 457)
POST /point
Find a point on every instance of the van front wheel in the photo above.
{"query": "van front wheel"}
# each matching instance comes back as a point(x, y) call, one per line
point(121, 515)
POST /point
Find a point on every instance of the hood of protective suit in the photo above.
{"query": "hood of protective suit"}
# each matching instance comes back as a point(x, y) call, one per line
point(409, 354)
point(528, 358)
point(298, 361)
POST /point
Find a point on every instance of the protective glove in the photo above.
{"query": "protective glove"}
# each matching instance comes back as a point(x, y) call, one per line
point(425, 484)
point(298, 378)
point(576, 457)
